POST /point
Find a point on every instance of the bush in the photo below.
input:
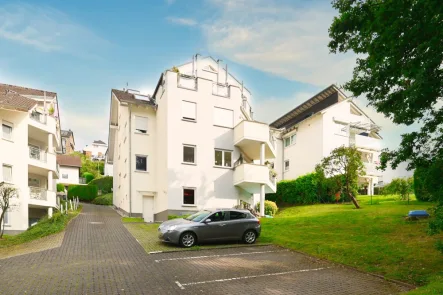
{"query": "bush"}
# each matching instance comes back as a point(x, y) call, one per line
point(420, 190)
point(85, 193)
point(88, 176)
point(60, 187)
point(103, 200)
point(103, 184)
point(270, 208)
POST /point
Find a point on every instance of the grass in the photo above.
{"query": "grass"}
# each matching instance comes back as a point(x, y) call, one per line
point(132, 219)
point(375, 239)
point(44, 228)
point(177, 216)
point(103, 200)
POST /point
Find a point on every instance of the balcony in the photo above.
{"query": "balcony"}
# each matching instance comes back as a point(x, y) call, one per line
point(220, 89)
point(250, 176)
point(41, 197)
point(247, 109)
point(40, 162)
point(249, 135)
point(368, 143)
point(187, 82)
point(371, 169)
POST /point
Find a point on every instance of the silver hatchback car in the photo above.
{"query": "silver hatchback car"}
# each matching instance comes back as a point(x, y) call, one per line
point(211, 225)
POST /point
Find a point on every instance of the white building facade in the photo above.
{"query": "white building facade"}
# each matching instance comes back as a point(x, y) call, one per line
point(192, 145)
point(96, 150)
point(328, 120)
point(30, 138)
point(69, 170)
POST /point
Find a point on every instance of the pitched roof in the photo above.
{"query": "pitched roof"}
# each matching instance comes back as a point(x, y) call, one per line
point(98, 142)
point(69, 160)
point(315, 104)
point(25, 91)
point(131, 98)
point(13, 101)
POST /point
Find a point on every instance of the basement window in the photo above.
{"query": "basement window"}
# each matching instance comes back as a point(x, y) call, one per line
point(286, 165)
point(188, 196)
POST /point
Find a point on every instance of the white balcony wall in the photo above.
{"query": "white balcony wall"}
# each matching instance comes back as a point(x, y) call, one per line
point(371, 169)
point(246, 175)
point(248, 135)
point(367, 142)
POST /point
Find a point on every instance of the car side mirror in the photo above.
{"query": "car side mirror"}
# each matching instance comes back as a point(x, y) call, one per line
point(208, 220)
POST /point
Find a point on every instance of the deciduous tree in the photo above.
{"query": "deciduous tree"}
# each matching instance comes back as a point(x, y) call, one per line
point(7, 192)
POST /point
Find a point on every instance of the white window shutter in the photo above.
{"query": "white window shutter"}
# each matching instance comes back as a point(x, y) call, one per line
point(141, 123)
point(189, 110)
point(223, 117)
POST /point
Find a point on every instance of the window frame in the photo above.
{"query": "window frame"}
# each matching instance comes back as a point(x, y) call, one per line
point(3, 174)
point(135, 125)
point(292, 139)
point(223, 165)
point(11, 126)
point(67, 176)
point(6, 218)
point(187, 118)
point(287, 167)
point(141, 156)
point(195, 154)
point(183, 196)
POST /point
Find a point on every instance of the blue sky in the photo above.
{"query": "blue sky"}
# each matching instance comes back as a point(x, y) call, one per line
point(82, 49)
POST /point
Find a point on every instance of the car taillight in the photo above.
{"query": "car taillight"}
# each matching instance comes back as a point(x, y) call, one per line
point(258, 220)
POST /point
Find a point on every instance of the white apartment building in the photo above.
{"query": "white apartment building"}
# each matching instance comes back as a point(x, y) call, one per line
point(193, 144)
point(326, 121)
point(29, 140)
point(96, 150)
point(69, 170)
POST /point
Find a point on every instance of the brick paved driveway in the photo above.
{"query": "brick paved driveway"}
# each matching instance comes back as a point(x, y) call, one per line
point(99, 256)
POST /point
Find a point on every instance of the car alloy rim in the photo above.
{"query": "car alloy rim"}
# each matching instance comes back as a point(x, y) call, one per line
point(188, 240)
point(250, 237)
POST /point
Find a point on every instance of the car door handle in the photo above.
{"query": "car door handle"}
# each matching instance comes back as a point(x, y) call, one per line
point(222, 224)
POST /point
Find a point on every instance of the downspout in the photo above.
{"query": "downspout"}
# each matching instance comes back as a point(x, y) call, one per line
point(130, 162)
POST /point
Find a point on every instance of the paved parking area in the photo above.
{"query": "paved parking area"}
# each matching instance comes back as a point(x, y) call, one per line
point(99, 256)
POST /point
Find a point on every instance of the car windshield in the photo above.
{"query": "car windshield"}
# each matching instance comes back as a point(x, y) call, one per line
point(199, 216)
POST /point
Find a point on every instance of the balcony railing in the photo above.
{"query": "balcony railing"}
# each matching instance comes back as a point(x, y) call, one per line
point(38, 193)
point(247, 107)
point(39, 117)
point(37, 154)
point(220, 90)
point(185, 81)
point(367, 142)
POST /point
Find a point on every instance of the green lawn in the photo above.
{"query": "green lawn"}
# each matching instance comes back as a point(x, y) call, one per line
point(44, 228)
point(132, 219)
point(375, 238)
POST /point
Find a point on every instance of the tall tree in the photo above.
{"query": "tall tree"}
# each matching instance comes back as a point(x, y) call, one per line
point(7, 192)
point(344, 166)
point(399, 44)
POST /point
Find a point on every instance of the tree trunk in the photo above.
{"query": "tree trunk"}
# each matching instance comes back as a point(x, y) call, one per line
point(354, 200)
point(2, 228)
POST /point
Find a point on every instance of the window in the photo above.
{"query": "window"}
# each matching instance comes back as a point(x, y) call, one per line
point(223, 158)
point(141, 163)
point(189, 154)
point(290, 140)
point(6, 218)
point(65, 176)
point(286, 165)
point(33, 182)
point(223, 117)
point(7, 130)
point(236, 215)
point(218, 216)
point(189, 110)
point(141, 125)
point(7, 173)
point(188, 196)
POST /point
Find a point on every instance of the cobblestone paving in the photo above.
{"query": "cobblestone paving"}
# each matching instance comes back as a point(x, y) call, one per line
point(46, 243)
point(99, 256)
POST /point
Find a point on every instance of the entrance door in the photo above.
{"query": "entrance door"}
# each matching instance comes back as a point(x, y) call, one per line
point(148, 208)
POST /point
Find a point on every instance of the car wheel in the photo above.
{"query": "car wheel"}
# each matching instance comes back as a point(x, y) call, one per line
point(188, 239)
point(249, 237)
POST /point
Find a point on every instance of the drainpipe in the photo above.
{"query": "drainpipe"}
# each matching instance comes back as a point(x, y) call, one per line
point(130, 163)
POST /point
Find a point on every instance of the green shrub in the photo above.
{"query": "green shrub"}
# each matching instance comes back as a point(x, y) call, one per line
point(104, 184)
point(88, 176)
point(177, 216)
point(303, 190)
point(420, 190)
point(103, 200)
point(60, 187)
point(270, 208)
point(85, 193)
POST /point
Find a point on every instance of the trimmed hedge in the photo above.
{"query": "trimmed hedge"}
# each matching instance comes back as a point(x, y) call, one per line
point(270, 208)
point(420, 190)
point(85, 193)
point(103, 200)
point(60, 187)
point(88, 177)
point(428, 184)
point(104, 184)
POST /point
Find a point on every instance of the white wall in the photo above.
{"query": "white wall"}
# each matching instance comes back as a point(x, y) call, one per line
point(96, 150)
point(16, 154)
point(307, 151)
point(72, 174)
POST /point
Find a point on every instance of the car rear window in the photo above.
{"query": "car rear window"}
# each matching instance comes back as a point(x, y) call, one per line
point(236, 215)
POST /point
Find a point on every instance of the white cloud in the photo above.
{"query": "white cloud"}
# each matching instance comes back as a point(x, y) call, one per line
point(170, 2)
point(289, 41)
point(46, 29)
point(182, 21)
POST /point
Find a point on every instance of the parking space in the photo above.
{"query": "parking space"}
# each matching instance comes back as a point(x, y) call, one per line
point(265, 270)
